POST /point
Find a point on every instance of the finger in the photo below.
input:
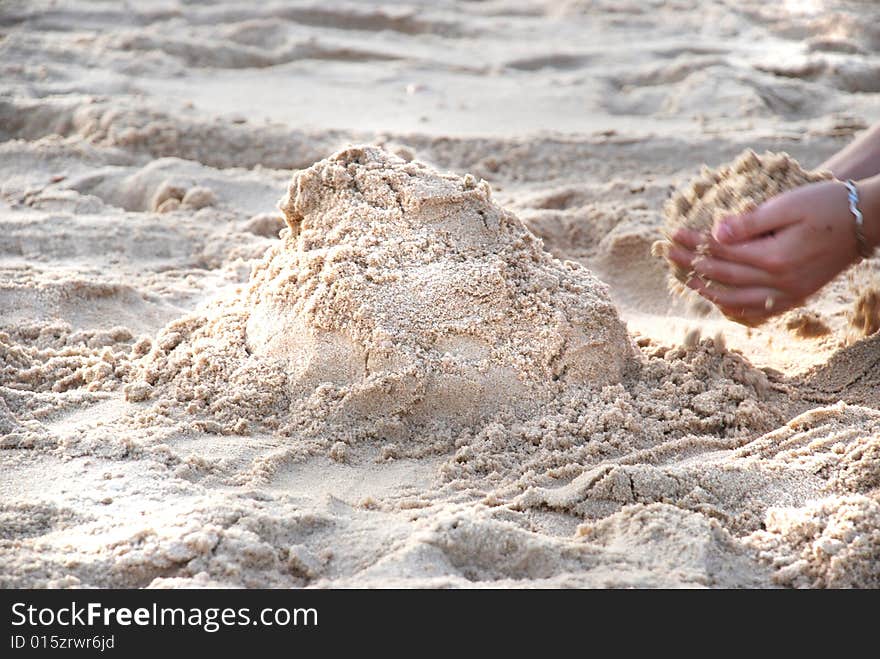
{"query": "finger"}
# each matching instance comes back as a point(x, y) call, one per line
point(718, 270)
point(754, 317)
point(774, 214)
point(690, 239)
point(772, 253)
point(730, 273)
point(754, 253)
point(684, 258)
point(748, 317)
point(760, 298)
point(776, 253)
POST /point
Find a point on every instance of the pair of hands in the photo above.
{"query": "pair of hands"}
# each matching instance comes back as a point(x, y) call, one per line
point(765, 262)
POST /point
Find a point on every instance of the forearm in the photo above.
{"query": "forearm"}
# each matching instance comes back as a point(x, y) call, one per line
point(860, 159)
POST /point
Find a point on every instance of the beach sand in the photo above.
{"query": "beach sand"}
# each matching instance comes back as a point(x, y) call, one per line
point(448, 357)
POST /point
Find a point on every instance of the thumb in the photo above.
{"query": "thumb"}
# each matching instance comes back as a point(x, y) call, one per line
point(772, 215)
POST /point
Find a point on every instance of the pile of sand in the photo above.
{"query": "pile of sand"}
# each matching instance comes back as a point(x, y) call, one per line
point(406, 299)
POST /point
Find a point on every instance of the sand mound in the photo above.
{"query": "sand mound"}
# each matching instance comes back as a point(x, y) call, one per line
point(736, 188)
point(411, 296)
point(415, 281)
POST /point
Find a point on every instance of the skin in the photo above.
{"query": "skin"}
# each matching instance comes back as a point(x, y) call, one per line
point(770, 260)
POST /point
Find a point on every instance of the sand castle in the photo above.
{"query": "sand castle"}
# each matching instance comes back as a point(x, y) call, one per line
point(414, 286)
point(396, 295)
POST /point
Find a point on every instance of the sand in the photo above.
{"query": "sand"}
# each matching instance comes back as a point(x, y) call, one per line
point(447, 357)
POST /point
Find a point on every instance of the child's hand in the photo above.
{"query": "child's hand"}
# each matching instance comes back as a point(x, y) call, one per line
point(770, 260)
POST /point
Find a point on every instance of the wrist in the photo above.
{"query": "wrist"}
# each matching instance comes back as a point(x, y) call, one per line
point(869, 204)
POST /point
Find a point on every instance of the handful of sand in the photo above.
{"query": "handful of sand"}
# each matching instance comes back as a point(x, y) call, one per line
point(732, 189)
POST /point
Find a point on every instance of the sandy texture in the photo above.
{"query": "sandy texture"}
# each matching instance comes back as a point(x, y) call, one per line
point(448, 359)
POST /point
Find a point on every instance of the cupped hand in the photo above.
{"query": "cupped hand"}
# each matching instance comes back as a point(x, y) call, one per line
point(767, 261)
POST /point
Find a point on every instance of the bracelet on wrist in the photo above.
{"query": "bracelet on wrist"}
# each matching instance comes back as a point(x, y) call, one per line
point(865, 250)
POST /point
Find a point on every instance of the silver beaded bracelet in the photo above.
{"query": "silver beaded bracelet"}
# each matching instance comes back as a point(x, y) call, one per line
point(865, 250)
